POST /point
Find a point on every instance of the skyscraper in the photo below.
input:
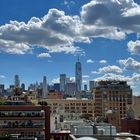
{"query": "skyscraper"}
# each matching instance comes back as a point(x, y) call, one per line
point(44, 91)
point(57, 87)
point(91, 85)
point(17, 81)
point(78, 75)
point(23, 86)
point(85, 87)
point(62, 82)
point(70, 89)
point(1, 89)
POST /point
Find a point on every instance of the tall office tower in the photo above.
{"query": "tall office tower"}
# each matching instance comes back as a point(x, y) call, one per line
point(51, 88)
point(68, 80)
point(2, 89)
point(36, 89)
point(17, 81)
point(23, 86)
point(70, 89)
point(45, 89)
point(57, 87)
point(85, 87)
point(91, 85)
point(78, 76)
point(10, 90)
point(63, 83)
point(112, 95)
point(31, 87)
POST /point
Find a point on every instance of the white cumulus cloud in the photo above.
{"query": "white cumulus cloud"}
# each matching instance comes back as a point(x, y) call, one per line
point(2, 76)
point(42, 55)
point(13, 47)
point(110, 69)
point(103, 61)
point(135, 78)
point(56, 80)
point(130, 64)
point(134, 47)
point(111, 76)
point(119, 15)
point(57, 32)
point(90, 61)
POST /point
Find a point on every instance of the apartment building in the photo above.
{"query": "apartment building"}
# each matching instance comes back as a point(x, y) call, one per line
point(25, 121)
point(71, 105)
point(112, 95)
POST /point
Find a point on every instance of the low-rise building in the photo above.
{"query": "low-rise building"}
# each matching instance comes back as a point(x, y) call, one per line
point(136, 106)
point(93, 129)
point(130, 123)
point(71, 105)
point(25, 121)
point(54, 95)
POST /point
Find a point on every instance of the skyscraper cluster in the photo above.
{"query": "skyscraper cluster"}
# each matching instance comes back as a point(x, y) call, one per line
point(72, 88)
point(103, 100)
point(66, 86)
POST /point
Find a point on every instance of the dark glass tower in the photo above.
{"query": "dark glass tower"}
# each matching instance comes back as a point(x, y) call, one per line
point(17, 81)
point(62, 82)
point(78, 75)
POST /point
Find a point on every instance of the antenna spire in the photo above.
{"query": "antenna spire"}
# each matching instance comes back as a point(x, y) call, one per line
point(78, 58)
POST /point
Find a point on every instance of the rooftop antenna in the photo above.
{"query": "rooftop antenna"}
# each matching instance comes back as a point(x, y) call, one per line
point(78, 58)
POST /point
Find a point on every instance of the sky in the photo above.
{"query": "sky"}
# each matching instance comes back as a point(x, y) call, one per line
point(43, 37)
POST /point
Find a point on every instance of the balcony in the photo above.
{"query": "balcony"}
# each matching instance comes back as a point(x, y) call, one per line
point(21, 116)
point(33, 129)
point(20, 125)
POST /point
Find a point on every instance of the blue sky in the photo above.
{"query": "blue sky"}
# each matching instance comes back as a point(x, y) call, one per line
point(45, 37)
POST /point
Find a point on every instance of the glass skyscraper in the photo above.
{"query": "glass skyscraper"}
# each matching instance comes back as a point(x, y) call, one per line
point(78, 75)
point(62, 82)
point(17, 81)
point(45, 90)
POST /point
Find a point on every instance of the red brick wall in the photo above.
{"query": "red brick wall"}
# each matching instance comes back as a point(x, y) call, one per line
point(130, 125)
point(31, 108)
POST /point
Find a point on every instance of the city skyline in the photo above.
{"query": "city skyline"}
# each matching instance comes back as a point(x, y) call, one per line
point(45, 38)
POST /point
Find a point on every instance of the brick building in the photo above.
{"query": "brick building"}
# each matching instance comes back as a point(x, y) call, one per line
point(71, 105)
point(112, 95)
point(25, 121)
point(130, 123)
